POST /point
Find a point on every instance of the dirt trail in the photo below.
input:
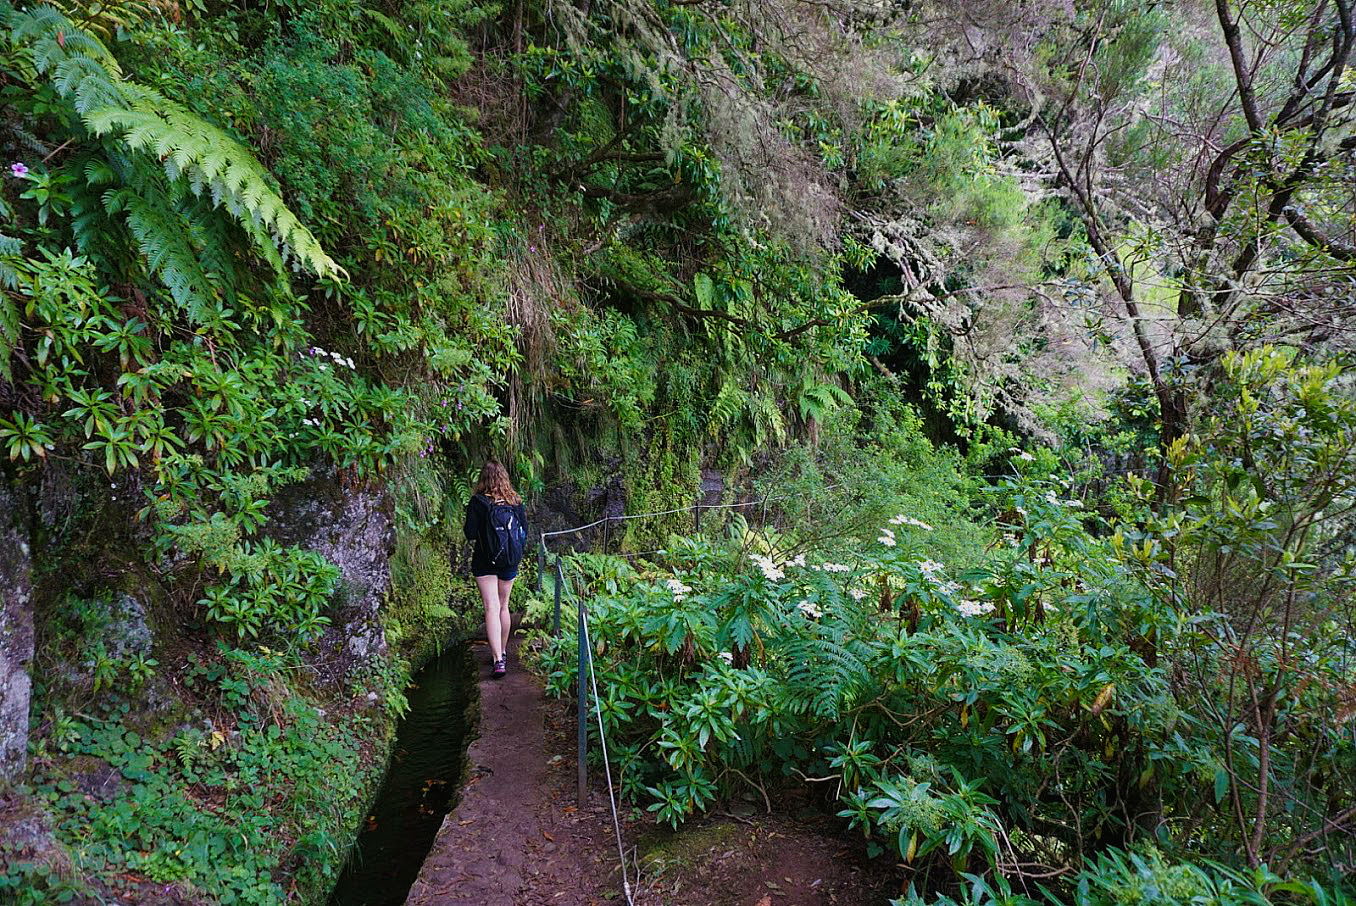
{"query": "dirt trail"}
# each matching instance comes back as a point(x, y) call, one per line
point(518, 837)
point(512, 840)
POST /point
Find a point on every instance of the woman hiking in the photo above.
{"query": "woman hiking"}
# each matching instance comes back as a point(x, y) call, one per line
point(497, 525)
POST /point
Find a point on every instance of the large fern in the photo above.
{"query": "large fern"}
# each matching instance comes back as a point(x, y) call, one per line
point(191, 151)
point(727, 406)
point(826, 673)
point(165, 244)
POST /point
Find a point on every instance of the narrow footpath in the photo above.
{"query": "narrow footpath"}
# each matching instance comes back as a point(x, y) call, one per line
point(517, 836)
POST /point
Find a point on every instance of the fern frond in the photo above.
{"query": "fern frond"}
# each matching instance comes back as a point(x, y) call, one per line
point(725, 408)
point(53, 37)
point(85, 82)
point(190, 149)
point(400, 37)
point(825, 672)
point(9, 248)
point(211, 235)
point(842, 397)
point(169, 254)
point(767, 419)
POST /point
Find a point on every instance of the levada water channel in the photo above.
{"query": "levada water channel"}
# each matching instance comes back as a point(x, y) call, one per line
point(421, 782)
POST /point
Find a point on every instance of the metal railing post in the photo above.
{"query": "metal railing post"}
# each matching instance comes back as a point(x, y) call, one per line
point(560, 580)
point(583, 714)
point(698, 529)
point(607, 524)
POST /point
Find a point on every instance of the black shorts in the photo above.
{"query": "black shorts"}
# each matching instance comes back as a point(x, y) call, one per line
point(504, 574)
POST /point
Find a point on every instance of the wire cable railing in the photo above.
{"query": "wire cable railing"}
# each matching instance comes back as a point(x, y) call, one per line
point(606, 521)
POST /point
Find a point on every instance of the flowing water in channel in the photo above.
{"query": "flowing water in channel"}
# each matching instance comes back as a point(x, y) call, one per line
point(423, 777)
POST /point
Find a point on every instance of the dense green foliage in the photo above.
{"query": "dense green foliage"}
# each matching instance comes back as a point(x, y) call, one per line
point(1019, 709)
point(1046, 348)
point(215, 797)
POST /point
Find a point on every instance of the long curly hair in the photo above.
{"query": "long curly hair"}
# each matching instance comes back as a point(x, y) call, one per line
point(494, 483)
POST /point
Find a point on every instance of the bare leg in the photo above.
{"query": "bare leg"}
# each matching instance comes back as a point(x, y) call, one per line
point(505, 619)
point(494, 633)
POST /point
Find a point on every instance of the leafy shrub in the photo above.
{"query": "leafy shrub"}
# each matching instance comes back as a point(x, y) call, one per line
point(1015, 711)
point(220, 810)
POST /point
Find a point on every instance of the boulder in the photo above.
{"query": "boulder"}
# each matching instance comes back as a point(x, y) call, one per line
point(16, 633)
point(352, 526)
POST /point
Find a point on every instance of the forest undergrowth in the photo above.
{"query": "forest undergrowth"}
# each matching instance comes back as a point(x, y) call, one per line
point(1035, 317)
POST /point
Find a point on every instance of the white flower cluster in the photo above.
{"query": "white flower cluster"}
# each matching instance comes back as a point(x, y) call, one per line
point(798, 560)
point(835, 568)
point(1051, 499)
point(768, 567)
point(974, 608)
point(336, 357)
point(901, 519)
point(727, 657)
point(932, 571)
point(678, 588)
point(810, 609)
point(887, 537)
point(311, 422)
point(857, 594)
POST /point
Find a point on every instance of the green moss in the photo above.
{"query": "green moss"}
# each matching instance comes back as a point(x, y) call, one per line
point(237, 806)
point(666, 477)
point(418, 615)
point(684, 848)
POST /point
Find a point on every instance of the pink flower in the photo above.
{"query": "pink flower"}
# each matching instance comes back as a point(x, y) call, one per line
point(18, 170)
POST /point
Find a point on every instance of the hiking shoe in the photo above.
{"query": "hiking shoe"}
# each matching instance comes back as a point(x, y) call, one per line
point(500, 668)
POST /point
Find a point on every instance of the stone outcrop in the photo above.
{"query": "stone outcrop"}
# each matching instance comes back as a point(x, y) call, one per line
point(16, 633)
point(353, 528)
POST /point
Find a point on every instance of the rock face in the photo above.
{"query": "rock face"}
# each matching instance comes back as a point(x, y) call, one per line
point(353, 528)
point(16, 634)
point(128, 632)
point(712, 487)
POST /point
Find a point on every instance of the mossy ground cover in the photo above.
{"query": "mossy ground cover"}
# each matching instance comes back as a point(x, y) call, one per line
point(248, 792)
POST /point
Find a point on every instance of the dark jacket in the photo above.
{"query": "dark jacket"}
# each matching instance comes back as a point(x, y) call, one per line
point(477, 530)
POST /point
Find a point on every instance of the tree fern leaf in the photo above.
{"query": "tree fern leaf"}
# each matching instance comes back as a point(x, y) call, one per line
point(169, 256)
point(85, 72)
point(99, 173)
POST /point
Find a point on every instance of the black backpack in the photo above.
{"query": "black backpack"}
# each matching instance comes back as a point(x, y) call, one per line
point(505, 535)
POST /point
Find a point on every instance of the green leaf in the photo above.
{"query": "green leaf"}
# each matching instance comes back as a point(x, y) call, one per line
point(705, 290)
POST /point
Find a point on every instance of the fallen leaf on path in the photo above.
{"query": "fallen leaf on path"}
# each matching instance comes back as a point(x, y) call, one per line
point(765, 901)
point(548, 836)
